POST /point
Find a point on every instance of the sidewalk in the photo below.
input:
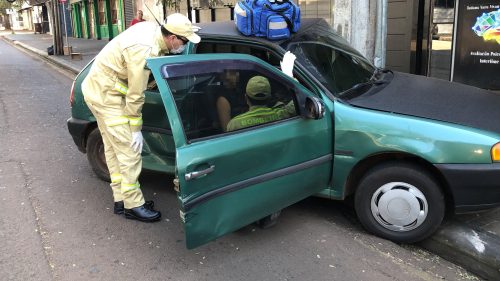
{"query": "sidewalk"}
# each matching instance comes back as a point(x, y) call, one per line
point(472, 241)
point(38, 44)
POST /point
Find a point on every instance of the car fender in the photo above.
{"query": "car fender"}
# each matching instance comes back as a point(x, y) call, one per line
point(361, 134)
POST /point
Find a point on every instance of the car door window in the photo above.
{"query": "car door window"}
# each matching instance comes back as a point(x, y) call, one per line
point(210, 96)
point(336, 70)
point(207, 47)
point(272, 58)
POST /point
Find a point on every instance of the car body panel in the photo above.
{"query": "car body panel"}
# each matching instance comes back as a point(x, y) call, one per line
point(159, 150)
point(363, 133)
point(472, 183)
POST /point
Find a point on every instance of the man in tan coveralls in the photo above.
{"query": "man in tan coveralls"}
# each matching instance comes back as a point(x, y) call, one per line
point(113, 90)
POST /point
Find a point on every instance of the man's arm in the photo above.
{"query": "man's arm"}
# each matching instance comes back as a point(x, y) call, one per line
point(135, 58)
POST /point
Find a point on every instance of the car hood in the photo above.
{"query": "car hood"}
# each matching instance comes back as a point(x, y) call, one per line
point(435, 99)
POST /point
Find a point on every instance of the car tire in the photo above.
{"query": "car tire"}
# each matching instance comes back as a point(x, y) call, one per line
point(399, 202)
point(95, 155)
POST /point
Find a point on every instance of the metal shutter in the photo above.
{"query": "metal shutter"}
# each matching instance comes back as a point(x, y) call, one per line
point(128, 12)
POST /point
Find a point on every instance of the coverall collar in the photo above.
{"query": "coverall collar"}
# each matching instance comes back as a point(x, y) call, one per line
point(255, 107)
point(160, 42)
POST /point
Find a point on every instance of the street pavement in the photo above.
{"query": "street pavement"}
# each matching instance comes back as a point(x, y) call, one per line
point(472, 241)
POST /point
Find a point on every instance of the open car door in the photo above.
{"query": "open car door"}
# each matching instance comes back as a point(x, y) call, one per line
point(229, 179)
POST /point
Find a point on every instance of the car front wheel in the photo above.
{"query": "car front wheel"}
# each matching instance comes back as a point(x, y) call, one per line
point(95, 155)
point(399, 202)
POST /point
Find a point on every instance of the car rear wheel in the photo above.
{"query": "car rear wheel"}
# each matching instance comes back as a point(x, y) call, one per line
point(399, 202)
point(95, 155)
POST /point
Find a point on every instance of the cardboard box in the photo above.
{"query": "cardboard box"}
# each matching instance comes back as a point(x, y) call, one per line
point(68, 50)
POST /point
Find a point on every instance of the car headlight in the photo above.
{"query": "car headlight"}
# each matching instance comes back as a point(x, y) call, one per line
point(495, 153)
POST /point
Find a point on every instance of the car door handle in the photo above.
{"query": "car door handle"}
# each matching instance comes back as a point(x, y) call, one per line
point(197, 174)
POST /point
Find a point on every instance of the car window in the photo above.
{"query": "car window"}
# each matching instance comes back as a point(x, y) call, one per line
point(151, 86)
point(216, 47)
point(211, 97)
point(336, 70)
point(207, 47)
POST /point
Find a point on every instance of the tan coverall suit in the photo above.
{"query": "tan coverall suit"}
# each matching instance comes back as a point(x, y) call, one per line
point(117, 108)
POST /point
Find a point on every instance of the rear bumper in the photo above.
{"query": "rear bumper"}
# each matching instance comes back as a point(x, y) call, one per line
point(474, 186)
point(78, 129)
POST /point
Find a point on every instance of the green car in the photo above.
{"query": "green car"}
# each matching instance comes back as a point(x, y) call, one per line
point(408, 148)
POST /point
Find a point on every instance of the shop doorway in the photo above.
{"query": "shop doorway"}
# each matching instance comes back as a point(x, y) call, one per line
point(442, 21)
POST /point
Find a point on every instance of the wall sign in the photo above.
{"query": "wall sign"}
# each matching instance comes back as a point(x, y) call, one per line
point(476, 46)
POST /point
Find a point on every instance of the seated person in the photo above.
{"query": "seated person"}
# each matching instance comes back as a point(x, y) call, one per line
point(258, 96)
point(230, 101)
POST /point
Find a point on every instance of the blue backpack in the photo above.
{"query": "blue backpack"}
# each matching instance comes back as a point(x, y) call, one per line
point(264, 18)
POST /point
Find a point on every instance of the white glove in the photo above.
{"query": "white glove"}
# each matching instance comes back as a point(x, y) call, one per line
point(137, 141)
point(287, 63)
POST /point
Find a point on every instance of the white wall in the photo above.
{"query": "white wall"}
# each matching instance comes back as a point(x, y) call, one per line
point(356, 21)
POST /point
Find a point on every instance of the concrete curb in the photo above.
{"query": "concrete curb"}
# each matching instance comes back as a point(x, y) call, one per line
point(474, 249)
point(53, 59)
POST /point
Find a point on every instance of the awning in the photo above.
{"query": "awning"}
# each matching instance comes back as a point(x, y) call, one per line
point(22, 9)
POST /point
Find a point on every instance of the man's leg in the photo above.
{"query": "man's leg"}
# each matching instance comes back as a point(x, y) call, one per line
point(111, 160)
point(130, 163)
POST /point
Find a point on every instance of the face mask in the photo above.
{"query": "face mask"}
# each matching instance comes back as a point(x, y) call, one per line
point(178, 50)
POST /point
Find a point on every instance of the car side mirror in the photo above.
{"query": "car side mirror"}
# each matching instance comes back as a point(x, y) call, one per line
point(314, 108)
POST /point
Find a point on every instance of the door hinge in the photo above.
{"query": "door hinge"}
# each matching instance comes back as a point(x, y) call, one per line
point(176, 185)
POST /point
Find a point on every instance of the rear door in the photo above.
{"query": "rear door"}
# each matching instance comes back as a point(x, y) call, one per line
point(228, 179)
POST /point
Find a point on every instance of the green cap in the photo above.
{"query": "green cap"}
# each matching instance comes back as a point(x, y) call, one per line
point(258, 88)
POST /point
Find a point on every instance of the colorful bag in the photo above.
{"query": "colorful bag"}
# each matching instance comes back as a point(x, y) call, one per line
point(265, 18)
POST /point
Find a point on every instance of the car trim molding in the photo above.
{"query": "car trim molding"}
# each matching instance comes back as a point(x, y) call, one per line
point(344, 152)
point(474, 186)
point(256, 180)
point(156, 130)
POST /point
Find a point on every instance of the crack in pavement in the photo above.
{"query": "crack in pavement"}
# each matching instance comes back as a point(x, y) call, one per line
point(3, 110)
point(40, 228)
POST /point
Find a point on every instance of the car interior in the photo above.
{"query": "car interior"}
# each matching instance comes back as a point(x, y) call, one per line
point(196, 96)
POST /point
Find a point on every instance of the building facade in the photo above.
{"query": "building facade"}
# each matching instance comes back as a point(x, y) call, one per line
point(99, 19)
point(413, 36)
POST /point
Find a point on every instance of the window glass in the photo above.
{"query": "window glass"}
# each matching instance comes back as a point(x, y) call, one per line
point(336, 70)
point(101, 12)
point(114, 12)
point(265, 55)
point(207, 47)
point(212, 97)
point(443, 17)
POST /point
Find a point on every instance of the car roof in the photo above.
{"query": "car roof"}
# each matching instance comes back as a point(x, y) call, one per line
point(229, 27)
point(311, 29)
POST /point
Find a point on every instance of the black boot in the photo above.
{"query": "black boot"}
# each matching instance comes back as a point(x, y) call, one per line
point(142, 213)
point(118, 208)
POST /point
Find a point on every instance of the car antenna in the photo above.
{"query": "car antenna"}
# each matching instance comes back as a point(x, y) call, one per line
point(153, 15)
point(195, 28)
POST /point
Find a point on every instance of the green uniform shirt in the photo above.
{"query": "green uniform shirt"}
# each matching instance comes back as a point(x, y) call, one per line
point(257, 115)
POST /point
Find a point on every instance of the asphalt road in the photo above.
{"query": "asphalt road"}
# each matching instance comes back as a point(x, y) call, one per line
point(56, 219)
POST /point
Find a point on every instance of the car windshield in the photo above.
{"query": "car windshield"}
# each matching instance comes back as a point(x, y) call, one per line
point(338, 71)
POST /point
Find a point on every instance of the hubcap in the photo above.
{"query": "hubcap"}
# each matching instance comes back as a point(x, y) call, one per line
point(399, 206)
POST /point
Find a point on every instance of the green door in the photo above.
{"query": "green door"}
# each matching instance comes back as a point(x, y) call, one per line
point(229, 179)
point(103, 18)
